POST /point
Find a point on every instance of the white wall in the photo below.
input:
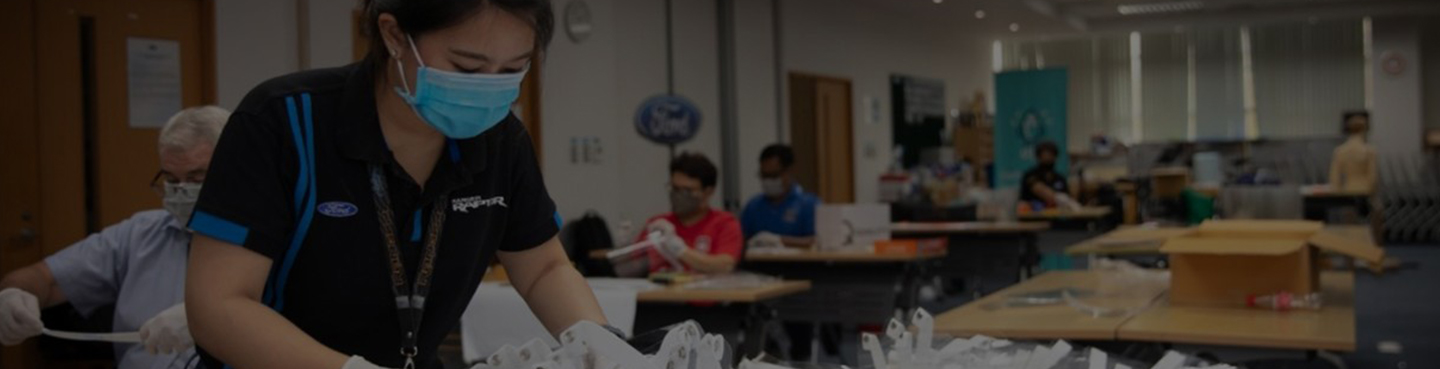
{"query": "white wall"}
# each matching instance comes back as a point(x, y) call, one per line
point(256, 40)
point(865, 44)
point(592, 89)
point(1397, 111)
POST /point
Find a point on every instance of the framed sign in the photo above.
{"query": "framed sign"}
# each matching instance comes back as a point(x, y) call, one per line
point(667, 119)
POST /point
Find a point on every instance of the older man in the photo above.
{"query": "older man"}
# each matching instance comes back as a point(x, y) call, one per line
point(138, 264)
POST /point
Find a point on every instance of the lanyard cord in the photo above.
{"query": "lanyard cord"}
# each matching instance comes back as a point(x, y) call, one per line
point(409, 300)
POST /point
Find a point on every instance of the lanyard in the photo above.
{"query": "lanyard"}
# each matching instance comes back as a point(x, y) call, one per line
point(409, 299)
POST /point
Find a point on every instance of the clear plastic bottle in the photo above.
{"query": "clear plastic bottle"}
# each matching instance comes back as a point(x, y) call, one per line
point(1285, 301)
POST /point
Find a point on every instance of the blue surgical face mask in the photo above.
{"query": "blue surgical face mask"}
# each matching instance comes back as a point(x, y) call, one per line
point(459, 105)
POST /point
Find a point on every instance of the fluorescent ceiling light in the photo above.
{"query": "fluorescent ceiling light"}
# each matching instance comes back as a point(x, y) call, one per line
point(1157, 8)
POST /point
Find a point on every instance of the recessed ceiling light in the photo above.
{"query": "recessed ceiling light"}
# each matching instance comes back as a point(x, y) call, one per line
point(939, 1)
point(979, 14)
point(1014, 27)
point(1157, 8)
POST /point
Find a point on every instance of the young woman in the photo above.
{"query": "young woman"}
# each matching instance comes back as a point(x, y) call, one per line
point(350, 213)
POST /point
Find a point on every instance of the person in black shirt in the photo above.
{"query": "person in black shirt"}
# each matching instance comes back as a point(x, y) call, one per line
point(350, 213)
point(1042, 185)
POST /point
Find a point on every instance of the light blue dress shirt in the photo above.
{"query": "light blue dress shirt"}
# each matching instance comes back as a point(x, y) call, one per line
point(138, 265)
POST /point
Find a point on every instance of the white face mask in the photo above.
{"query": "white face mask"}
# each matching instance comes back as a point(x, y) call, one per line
point(180, 200)
point(773, 187)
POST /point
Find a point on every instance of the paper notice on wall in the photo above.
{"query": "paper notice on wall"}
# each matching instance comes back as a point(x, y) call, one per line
point(153, 74)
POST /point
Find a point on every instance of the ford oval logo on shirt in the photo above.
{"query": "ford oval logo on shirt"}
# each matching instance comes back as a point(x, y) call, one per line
point(337, 209)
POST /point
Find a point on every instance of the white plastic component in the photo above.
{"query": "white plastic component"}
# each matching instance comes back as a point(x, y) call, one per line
point(894, 329)
point(1121, 366)
point(924, 334)
point(534, 353)
point(870, 343)
point(1099, 359)
point(505, 358)
point(1172, 360)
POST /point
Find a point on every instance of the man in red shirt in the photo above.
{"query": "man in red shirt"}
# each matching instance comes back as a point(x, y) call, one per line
point(693, 235)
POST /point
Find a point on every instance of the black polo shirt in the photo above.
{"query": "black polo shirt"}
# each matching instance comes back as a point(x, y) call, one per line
point(1049, 178)
point(334, 282)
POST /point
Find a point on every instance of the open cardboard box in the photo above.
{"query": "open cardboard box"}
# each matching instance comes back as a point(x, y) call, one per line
point(1221, 263)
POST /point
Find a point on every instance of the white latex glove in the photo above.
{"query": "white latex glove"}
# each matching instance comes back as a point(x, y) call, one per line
point(19, 316)
point(357, 362)
point(167, 332)
point(673, 247)
point(663, 226)
point(765, 240)
point(1065, 201)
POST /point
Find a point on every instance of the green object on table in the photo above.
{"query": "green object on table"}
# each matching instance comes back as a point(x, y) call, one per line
point(1054, 262)
point(1198, 206)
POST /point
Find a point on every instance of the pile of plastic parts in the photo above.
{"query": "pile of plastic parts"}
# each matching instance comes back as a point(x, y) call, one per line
point(686, 346)
point(916, 347)
point(589, 346)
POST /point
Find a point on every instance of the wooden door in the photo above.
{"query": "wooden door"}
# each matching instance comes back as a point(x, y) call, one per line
point(836, 146)
point(19, 171)
point(821, 132)
point(72, 163)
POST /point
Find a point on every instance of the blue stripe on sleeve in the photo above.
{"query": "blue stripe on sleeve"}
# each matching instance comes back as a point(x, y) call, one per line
point(219, 228)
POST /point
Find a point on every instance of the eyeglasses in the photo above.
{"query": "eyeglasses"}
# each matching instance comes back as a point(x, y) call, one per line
point(161, 179)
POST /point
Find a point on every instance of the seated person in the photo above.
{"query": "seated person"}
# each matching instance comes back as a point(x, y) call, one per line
point(783, 214)
point(698, 238)
point(1042, 186)
point(1352, 168)
point(138, 264)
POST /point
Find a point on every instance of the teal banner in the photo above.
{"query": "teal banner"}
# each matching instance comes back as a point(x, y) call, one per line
point(1029, 109)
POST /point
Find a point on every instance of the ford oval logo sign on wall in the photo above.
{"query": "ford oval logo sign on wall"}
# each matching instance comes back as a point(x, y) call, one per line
point(337, 209)
point(667, 119)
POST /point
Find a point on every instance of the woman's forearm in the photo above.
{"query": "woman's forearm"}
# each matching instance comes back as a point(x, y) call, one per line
point(555, 292)
point(246, 334)
point(561, 297)
point(223, 286)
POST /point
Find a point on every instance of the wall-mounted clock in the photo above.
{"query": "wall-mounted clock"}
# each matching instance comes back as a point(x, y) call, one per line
point(578, 24)
point(1393, 63)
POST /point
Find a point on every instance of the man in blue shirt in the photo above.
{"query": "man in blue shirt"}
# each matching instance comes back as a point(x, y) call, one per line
point(783, 215)
point(138, 265)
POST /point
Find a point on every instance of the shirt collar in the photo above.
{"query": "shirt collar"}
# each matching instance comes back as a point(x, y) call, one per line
point(359, 128)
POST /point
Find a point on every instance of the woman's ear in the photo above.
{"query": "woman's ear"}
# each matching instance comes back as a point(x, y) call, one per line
point(389, 31)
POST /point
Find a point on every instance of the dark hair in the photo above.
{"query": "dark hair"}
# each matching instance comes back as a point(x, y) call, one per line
point(1047, 146)
point(779, 151)
point(695, 166)
point(1345, 122)
point(418, 17)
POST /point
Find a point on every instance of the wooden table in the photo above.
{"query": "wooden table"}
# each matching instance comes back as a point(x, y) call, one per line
point(1131, 240)
point(1128, 240)
point(745, 295)
point(1085, 213)
point(966, 228)
point(1331, 328)
point(841, 257)
point(1043, 322)
point(746, 310)
point(863, 283)
point(1000, 252)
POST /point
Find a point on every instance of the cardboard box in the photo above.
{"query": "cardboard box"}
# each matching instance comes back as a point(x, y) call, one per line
point(1221, 263)
point(910, 246)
